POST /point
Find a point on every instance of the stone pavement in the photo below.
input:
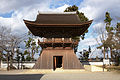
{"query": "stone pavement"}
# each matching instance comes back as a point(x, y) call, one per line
point(82, 76)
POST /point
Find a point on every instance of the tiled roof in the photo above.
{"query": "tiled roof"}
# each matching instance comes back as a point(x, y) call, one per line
point(58, 19)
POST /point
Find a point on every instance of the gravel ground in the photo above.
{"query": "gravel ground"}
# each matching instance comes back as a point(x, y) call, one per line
point(85, 75)
point(11, 72)
point(82, 76)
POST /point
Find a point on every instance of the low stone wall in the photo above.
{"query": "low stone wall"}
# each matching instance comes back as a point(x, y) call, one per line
point(31, 64)
point(25, 64)
point(94, 68)
point(99, 63)
point(46, 71)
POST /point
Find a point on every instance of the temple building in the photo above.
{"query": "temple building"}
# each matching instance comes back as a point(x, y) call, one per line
point(58, 31)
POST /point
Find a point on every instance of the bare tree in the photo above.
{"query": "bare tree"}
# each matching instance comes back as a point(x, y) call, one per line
point(109, 37)
point(8, 43)
point(100, 37)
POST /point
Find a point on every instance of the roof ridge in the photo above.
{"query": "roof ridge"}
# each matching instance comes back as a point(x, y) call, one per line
point(56, 12)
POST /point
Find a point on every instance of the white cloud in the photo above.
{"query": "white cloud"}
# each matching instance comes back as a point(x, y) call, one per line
point(100, 24)
point(95, 9)
point(89, 42)
point(61, 9)
point(28, 9)
point(28, 12)
point(98, 29)
point(95, 52)
point(11, 5)
point(25, 9)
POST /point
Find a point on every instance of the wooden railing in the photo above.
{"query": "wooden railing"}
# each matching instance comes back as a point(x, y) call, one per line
point(57, 40)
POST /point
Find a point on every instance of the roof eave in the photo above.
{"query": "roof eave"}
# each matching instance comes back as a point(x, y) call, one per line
point(37, 24)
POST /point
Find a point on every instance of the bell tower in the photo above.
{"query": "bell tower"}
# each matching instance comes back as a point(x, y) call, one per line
point(58, 44)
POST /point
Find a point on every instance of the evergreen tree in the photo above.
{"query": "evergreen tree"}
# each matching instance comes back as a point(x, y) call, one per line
point(82, 18)
point(31, 47)
point(74, 8)
point(111, 43)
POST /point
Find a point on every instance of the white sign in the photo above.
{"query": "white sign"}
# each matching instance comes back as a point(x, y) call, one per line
point(106, 61)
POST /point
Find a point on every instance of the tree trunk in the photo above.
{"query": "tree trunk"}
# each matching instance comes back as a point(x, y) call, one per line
point(33, 54)
point(0, 62)
point(111, 54)
point(107, 56)
point(104, 53)
point(21, 64)
point(8, 67)
point(0, 58)
point(117, 60)
point(11, 62)
point(29, 53)
point(18, 64)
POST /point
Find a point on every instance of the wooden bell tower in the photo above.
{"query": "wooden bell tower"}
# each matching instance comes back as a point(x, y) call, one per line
point(58, 44)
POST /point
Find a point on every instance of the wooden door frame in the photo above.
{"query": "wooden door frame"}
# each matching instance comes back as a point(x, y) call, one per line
point(54, 61)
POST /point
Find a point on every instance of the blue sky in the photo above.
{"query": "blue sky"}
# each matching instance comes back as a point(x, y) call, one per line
point(7, 15)
point(13, 13)
point(58, 3)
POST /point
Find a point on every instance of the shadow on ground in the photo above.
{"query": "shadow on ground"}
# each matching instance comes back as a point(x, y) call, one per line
point(21, 77)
